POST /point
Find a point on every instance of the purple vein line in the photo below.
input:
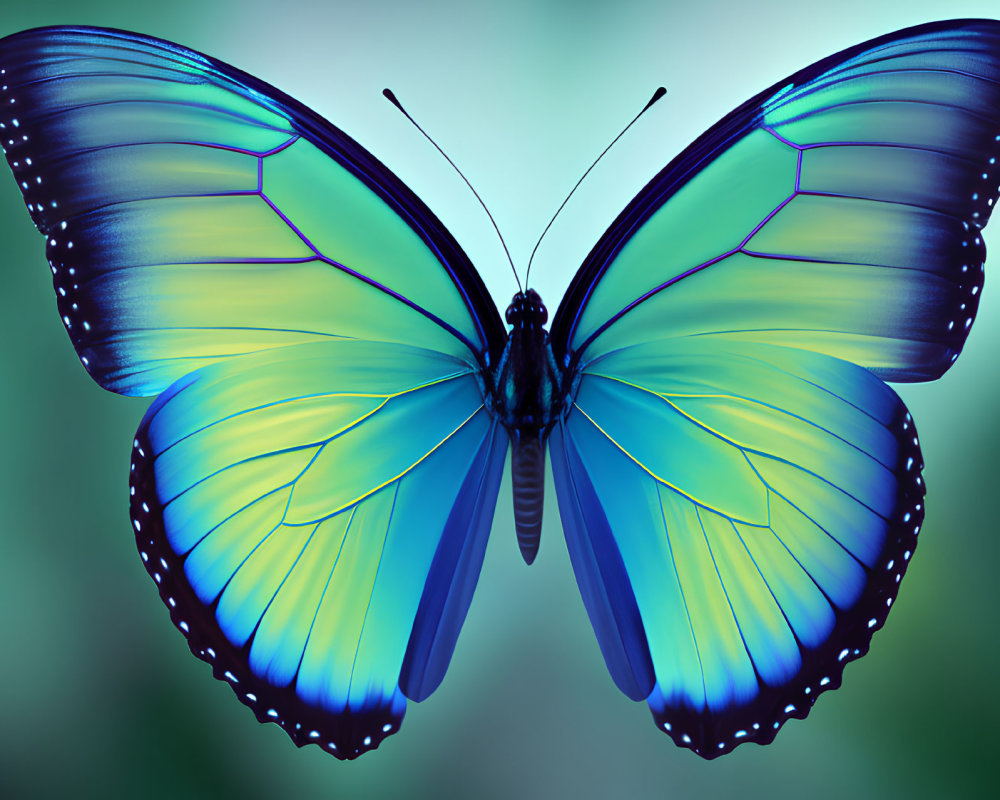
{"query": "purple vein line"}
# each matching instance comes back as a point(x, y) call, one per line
point(212, 145)
point(280, 147)
point(782, 139)
point(365, 279)
point(650, 293)
point(798, 176)
point(763, 222)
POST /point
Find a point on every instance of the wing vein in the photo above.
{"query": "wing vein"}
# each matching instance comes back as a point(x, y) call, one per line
point(326, 586)
point(763, 578)
point(722, 584)
point(680, 586)
point(371, 593)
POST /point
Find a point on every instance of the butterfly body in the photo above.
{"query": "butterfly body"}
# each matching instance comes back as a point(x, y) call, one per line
point(529, 400)
point(314, 485)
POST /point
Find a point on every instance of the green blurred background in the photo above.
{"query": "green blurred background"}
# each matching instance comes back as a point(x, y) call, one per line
point(98, 694)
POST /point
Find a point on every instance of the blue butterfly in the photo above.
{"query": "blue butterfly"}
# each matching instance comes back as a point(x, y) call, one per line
point(314, 485)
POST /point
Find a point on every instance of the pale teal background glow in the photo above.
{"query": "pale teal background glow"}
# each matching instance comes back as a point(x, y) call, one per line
point(98, 694)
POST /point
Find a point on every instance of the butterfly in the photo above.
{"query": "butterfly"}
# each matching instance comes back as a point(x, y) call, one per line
point(336, 393)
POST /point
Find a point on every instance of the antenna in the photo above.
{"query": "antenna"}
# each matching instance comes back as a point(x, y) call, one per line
point(392, 99)
point(660, 92)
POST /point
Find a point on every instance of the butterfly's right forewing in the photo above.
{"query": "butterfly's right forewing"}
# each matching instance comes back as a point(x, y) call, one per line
point(863, 177)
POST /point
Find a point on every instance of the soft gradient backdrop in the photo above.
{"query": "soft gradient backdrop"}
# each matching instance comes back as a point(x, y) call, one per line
point(98, 694)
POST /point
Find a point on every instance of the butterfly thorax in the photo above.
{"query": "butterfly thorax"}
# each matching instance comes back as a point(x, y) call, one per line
point(527, 376)
point(527, 401)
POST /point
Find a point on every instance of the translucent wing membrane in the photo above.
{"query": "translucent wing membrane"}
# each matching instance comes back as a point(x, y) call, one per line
point(193, 213)
point(315, 518)
point(867, 175)
point(739, 499)
point(739, 518)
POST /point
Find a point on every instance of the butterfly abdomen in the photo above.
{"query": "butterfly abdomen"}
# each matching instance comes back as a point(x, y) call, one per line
point(528, 477)
point(527, 402)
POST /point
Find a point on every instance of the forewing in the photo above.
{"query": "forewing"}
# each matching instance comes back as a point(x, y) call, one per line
point(315, 518)
point(193, 213)
point(739, 518)
point(838, 211)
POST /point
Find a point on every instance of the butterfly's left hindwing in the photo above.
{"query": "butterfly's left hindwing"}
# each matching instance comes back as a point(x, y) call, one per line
point(313, 490)
point(741, 494)
point(315, 518)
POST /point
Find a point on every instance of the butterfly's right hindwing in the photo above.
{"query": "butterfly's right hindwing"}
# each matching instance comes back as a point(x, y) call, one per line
point(763, 503)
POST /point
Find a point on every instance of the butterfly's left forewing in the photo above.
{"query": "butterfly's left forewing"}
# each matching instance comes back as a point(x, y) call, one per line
point(740, 493)
point(193, 213)
point(313, 489)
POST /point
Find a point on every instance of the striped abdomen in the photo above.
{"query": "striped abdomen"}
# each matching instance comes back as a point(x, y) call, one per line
point(528, 475)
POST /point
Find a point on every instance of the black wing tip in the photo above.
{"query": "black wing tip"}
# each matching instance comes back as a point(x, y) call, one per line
point(823, 667)
point(346, 734)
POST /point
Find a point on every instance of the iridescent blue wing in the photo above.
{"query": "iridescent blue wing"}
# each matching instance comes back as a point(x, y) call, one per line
point(313, 489)
point(739, 517)
point(315, 517)
point(740, 491)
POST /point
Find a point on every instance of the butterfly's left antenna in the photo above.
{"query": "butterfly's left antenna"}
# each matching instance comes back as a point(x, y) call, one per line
point(656, 96)
point(392, 99)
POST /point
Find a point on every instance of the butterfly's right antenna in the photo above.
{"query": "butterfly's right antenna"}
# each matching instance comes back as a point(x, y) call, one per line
point(660, 92)
point(392, 99)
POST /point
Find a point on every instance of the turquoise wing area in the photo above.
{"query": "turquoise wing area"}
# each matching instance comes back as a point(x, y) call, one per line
point(838, 211)
point(193, 213)
point(739, 517)
point(315, 518)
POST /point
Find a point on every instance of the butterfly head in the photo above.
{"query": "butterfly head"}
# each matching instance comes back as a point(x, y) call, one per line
point(527, 310)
